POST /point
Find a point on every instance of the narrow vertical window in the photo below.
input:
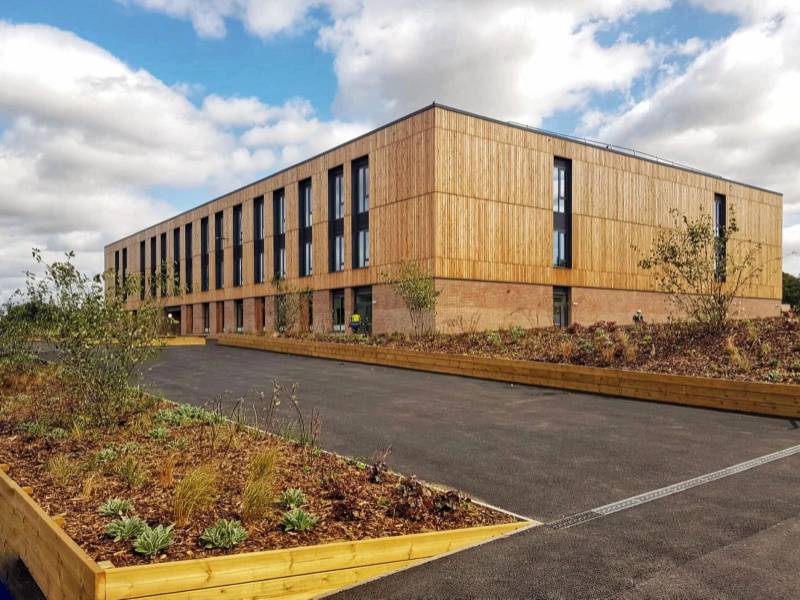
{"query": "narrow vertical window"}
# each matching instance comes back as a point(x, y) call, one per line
point(239, 310)
point(176, 262)
point(720, 222)
point(206, 317)
point(116, 271)
point(153, 267)
point(562, 213)
point(124, 273)
point(204, 279)
point(336, 219)
point(162, 275)
point(361, 213)
point(258, 239)
point(279, 233)
point(337, 303)
point(189, 257)
point(306, 222)
point(561, 316)
point(238, 241)
point(219, 258)
point(142, 267)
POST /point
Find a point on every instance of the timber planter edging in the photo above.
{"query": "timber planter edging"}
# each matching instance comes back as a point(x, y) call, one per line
point(742, 396)
point(63, 571)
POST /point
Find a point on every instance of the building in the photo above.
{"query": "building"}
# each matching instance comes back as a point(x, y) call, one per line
point(518, 227)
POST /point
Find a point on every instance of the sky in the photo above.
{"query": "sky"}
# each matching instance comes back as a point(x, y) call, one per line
point(116, 114)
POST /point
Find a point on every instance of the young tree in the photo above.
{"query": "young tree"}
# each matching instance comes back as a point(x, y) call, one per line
point(87, 330)
point(417, 289)
point(694, 265)
point(791, 291)
point(292, 306)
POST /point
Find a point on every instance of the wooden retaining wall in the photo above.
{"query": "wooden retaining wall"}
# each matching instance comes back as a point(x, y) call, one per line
point(761, 398)
point(63, 571)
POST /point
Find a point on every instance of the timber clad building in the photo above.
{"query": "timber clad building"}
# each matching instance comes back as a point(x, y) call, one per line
point(517, 226)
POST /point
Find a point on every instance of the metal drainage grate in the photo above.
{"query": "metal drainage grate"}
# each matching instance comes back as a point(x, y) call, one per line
point(573, 520)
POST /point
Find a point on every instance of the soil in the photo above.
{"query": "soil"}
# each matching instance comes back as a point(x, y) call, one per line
point(353, 500)
point(765, 350)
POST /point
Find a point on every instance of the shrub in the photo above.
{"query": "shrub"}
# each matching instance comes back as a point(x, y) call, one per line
point(196, 491)
point(628, 348)
point(263, 464)
point(116, 507)
point(224, 534)
point(131, 471)
point(417, 289)
point(159, 433)
point(187, 414)
point(106, 455)
point(62, 469)
point(166, 475)
point(151, 541)
point(298, 520)
point(292, 498)
point(34, 429)
point(258, 498)
point(125, 528)
point(737, 358)
point(565, 349)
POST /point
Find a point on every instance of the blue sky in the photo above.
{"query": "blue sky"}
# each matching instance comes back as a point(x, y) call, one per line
point(142, 108)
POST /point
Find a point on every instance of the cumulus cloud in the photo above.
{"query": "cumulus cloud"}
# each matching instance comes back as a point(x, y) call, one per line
point(732, 111)
point(88, 138)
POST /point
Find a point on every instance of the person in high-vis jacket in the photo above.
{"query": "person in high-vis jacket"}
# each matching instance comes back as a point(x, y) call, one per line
point(355, 322)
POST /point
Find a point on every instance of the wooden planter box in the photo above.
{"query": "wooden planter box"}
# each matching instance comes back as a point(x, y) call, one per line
point(762, 398)
point(64, 571)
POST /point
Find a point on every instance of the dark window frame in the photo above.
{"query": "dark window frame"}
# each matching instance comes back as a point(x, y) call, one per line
point(238, 244)
point(335, 224)
point(360, 220)
point(163, 264)
point(205, 275)
point(142, 269)
point(176, 261)
point(279, 233)
point(562, 219)
point(305, 223)
point(258, 239)
point(116, 271)
point(153, 267)
point(125, 273)
point(720, 225)
point(219, 250)
point(189, 259)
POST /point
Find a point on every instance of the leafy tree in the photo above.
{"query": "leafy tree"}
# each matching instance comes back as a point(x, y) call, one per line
point(88, 331)
point(417, 289)
point(693, 265)
point(791, 291)
point(292, 307)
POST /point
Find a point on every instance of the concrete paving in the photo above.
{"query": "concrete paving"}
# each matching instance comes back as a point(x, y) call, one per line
point(546, 454)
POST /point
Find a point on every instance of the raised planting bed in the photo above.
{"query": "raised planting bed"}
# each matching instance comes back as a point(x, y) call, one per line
point(743, 396)
point(56, 478)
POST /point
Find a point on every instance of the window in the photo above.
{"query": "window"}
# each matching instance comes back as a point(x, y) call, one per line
point(176, 261)
point(561, 316)
point(163, 273)
point(206, 317)
point(219, 257)
point(361, 212)
point(116, 271)
point(238, 306)
point(279, 233)
point(306, 230)
point(124, 273)
point(336, 219)
point(258, 240)
point(562, 213)
point(189, 259)
point(363, 306)
point(238, 240)
point(337, 302)
point(204, 254)
point(153, 267)
point(720, 221)
point(142, 267)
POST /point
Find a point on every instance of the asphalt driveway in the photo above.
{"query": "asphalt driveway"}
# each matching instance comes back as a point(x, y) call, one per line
point(545, 454)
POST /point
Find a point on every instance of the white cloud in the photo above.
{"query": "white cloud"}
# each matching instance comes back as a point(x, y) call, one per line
point(88, 138)
point(733, 111)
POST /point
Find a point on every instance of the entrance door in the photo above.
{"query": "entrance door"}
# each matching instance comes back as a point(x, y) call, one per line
point(364, 307)
point(337, 302)
point(561, 317)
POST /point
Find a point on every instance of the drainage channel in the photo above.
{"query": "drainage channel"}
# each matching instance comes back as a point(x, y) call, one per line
point(675, 488)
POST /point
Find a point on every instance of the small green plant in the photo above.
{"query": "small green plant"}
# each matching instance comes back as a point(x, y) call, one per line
point(516, 332)
point(131, 471)
point(298, 520)
point(258, 498)
point(224, 534)
point(493, 338)
point(186, 414)
point(292, 498)
point(159, 433)
point(125, 528)
point(263, 464)
point(116, 507)
point(107, 455)
point(34, 429)
point(57, 433)
point(151, 541)
point(195, 492)
point(62, 469)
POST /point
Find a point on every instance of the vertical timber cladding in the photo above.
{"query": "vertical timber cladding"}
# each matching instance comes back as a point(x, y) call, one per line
point(472, 199)
point(494, 210)
point(401, 224)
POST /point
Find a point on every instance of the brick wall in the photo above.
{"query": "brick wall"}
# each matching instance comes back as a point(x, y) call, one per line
point(250, 315)
point(323, 311)
point(230, 317)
